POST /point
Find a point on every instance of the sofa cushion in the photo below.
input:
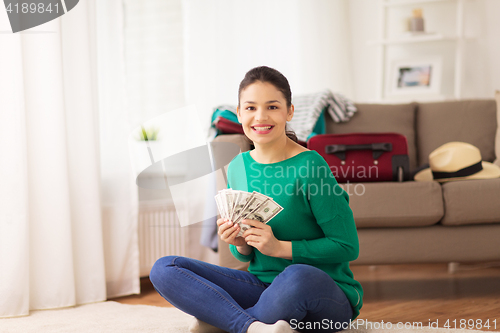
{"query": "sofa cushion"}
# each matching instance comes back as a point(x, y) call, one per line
point(392, 204)
point(497, 140)
point(434, 244)
point(471, 201)
point(399, 118)
point(471, 121)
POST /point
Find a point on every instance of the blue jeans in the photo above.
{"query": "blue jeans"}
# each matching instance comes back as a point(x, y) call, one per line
point(231, 299)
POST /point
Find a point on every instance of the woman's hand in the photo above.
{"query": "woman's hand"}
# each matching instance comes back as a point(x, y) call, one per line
point(228, 231)
point(262, 238)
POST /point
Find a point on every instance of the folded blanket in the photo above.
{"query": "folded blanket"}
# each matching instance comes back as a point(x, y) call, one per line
point(308, 109)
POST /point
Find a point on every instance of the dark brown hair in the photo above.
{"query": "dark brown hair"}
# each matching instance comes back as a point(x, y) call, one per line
point(274, 77)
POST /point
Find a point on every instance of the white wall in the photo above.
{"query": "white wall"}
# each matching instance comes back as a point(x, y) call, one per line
point(363, 23)
point(492, 43)
point(308, 41)
point(481, 64)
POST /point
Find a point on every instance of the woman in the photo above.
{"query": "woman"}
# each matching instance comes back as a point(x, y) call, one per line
point(299, 276)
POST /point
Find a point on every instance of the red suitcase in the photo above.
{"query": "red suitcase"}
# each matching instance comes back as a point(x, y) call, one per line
point(227, 126)
point(364, 157)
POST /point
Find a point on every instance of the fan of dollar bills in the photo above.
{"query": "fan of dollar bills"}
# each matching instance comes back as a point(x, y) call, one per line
point(237, 205)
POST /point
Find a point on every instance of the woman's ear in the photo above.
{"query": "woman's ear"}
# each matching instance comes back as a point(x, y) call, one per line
point(238, 113)
point(289, 116)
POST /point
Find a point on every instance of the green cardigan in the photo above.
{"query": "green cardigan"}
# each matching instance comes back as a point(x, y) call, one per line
point(316, 218)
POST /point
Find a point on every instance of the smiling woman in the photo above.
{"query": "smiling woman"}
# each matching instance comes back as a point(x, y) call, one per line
point(312, 239)
point(264, 107)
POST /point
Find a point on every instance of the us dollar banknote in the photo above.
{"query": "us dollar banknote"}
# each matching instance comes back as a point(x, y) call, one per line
point(265, 212)
point(237, 205)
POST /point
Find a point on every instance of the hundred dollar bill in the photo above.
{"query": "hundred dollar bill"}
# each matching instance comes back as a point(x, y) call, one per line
point(244, 227)
point(221, 203)
point(230, 202)
point(241, 201)
point(218, 202)
point(265, 212)
point(237, 196)
point(225, 203)
point(255, 201)
point(237, 205)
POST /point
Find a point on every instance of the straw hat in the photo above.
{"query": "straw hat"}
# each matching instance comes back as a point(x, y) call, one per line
point(457, 161)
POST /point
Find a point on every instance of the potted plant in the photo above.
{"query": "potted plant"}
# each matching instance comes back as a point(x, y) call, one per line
point(143, 144)
point(150, 134)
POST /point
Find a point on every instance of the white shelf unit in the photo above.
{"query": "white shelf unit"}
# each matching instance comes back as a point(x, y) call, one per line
point(410, 2)
point(413, 39)
point(430, 40)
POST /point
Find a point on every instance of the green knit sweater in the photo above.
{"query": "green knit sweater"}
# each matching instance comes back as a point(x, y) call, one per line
point(316, 218)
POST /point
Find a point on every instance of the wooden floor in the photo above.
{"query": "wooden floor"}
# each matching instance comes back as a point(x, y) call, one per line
point(411, 293)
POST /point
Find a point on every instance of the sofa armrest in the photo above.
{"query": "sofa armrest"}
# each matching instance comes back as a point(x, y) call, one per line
point(239, 139)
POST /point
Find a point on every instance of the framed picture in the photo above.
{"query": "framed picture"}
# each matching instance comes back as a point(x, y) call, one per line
point(414, 76)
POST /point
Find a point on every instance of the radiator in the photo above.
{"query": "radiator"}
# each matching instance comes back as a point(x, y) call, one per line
point(160, 233)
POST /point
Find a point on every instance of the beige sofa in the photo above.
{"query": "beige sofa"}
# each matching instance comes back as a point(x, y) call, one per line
point(420, 222)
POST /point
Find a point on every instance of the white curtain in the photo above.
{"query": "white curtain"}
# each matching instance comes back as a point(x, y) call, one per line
point(119, 195)
point(308, 41)
point(68, 205)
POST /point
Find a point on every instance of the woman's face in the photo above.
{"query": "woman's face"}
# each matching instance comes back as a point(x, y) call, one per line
point(263, 112)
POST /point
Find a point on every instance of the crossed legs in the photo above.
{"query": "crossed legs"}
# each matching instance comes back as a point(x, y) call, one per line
point(232, 300)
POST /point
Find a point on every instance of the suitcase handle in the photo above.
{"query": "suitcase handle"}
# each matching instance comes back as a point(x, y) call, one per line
point(377, 148)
